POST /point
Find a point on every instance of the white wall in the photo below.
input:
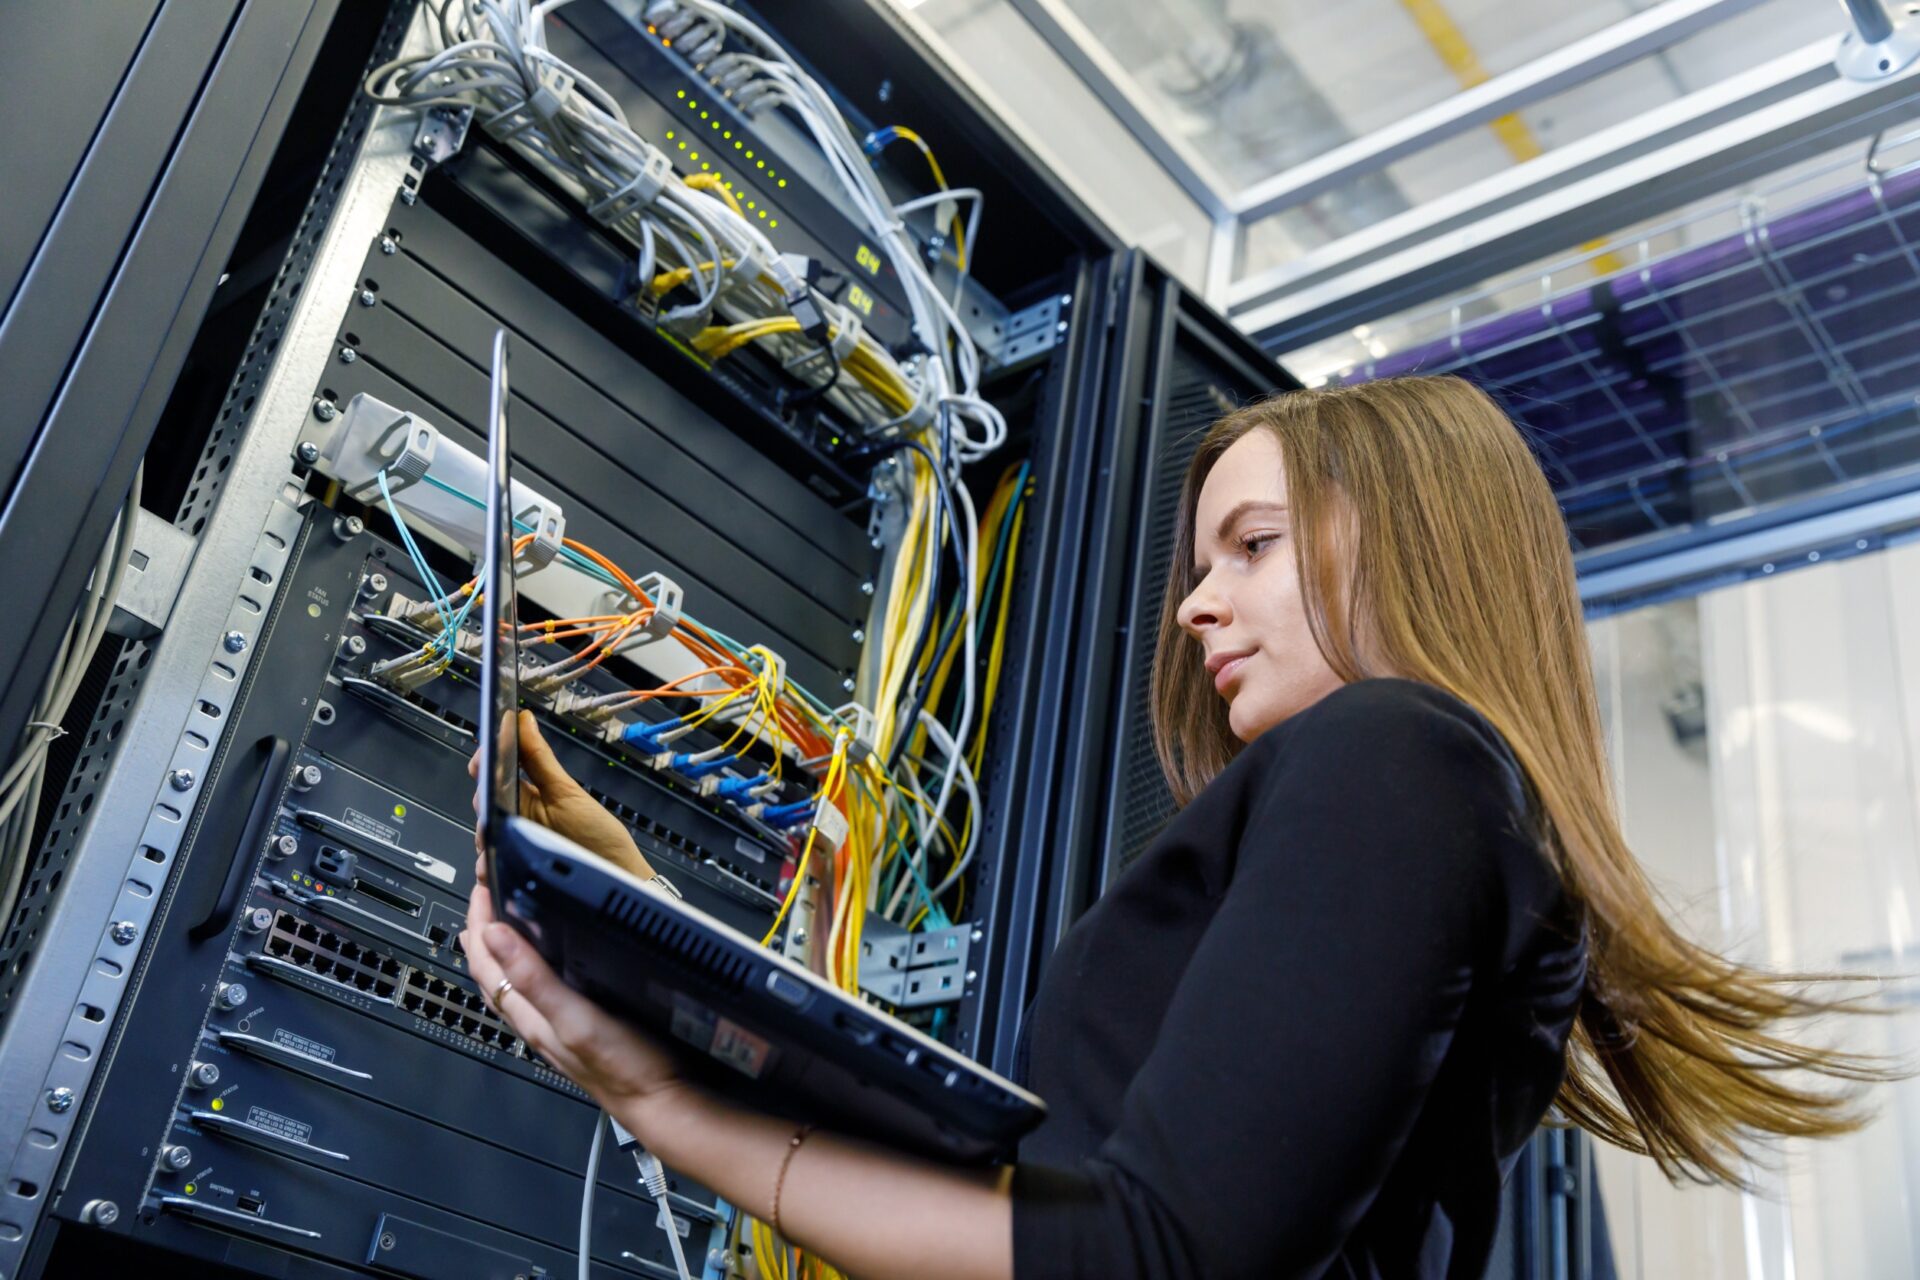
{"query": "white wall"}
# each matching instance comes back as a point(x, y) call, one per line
point(1793, 842)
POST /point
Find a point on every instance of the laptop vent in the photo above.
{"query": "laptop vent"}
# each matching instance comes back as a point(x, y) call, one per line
point(708, 958)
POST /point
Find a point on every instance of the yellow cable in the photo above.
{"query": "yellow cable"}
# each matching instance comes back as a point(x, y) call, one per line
point(823, 796)
point(712, 182)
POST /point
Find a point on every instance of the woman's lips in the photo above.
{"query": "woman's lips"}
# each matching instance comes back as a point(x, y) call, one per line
point(1224, 676)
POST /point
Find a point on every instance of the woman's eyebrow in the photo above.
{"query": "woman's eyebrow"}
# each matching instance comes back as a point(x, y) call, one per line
point(1233, 517)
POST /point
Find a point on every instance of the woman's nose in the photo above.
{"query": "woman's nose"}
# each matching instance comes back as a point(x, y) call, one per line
point(1203, 609)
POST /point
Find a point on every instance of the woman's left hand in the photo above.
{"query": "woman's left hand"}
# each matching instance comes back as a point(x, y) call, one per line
point(588, 1045)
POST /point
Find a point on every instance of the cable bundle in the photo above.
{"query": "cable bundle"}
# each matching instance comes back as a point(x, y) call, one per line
point(690, 232)
point(21, 784)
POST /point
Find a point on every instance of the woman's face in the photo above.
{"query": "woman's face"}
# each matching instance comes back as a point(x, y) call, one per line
point(1247, 610)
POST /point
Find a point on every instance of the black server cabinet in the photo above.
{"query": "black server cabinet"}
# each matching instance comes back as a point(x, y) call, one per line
point(1071, 793)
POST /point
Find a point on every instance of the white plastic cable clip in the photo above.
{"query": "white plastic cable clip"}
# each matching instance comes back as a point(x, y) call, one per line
point(861, 725)
point(847, 336)
point(548, 529)
point(538, 108)
point(654, 175)
point(667, 599)
point(773, 664)
point(403, 448)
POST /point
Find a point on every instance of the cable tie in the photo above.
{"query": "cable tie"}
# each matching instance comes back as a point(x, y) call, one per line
point(55, 732)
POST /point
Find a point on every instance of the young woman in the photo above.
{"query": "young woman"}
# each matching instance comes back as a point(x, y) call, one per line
point(1307, 1032)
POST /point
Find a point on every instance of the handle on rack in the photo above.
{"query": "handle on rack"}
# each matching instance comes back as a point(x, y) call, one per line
point(266, 790)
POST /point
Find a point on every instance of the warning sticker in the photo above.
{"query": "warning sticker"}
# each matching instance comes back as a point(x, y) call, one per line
point(300, 1044)
point(720, 1037)
point(274, 1122)
point(372, 826)
point(739, 1048)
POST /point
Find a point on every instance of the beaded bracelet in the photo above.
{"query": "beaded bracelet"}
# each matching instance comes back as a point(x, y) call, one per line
point(793, 1146)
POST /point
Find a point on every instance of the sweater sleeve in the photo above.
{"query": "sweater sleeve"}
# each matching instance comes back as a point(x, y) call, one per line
point(1301, 1041)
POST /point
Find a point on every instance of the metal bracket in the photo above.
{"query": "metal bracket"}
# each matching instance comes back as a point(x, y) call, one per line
point(913, 970)
point(442, 132)
point(155, 569)
point(1032, 332)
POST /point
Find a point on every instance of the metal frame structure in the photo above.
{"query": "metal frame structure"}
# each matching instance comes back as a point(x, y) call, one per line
point(1815, 98)
point(51, 1043)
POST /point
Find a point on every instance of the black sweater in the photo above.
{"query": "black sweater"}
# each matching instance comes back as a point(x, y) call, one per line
point(1306, 1033)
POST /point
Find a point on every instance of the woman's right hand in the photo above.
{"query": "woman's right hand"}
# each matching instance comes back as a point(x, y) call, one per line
point(550, 797)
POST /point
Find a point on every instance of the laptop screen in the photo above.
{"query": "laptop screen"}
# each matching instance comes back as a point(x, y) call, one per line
point(499, 623)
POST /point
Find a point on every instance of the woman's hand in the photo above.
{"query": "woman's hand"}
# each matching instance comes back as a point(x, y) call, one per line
point(550, 797)
point(589, 1046)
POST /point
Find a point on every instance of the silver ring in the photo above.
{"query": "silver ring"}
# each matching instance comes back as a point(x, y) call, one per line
point(500, 991)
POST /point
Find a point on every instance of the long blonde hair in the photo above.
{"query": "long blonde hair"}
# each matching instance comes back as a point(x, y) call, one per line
point(1422, 523)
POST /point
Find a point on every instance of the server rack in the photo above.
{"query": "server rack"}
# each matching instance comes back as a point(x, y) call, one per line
point(303, 191)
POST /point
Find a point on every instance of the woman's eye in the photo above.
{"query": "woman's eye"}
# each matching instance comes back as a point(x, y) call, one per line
point(1254, 543)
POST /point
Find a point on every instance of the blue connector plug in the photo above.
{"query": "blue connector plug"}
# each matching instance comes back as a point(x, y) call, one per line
point(735, 788)
point(645, 738)
point(687, 765)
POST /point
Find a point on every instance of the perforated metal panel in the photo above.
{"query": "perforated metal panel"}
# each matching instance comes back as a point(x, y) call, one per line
point(1197, 392)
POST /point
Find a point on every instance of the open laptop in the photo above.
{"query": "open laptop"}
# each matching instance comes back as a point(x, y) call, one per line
point(750, 1023)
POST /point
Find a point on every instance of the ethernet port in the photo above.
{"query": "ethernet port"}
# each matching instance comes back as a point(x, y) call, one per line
point(363, 980)
point(447, 1015)
point(417, 979)
point(411, 1002)
point(308, 933)
point(348, 951)
point(469, 1025)
point(384, 989)
point(300, 956)
point(278, 945)
point(487, 1034)
point(390, 967)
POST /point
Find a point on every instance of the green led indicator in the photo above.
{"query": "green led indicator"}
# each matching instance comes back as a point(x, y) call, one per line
point(679, 93)
point(774, 223)
point(737, 144)
point(783, 182)
point(727, 134)
point(761, 163)
point(693, 155)
point(714, 125)
point(669, 135)
point(399, 811)
point(705, 165)
point(703, 115)
point(691, 104)
point(683, 146)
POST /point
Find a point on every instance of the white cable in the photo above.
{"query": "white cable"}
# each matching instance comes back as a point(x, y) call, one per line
point(586, 1195)
point(25, 778)
point(654, 1176)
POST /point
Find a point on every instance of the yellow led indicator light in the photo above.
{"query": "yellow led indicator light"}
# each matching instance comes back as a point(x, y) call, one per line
point(683, 146)
point(737, 144)
point(858, 297)
point(218, 1104)
point(693, 155)
point(763, 213)
point(703, 115)
point(761, 163)
point(691, 104)
point(669, 135)
point(783, 182)
point(190, 1188)
point(749, 155)
point(868, 259)
point(750, 204)
point(714, 125)
point(774, 223)
point(727, 133)
point(679, 93)
point(705, 165)
point(399, 811)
